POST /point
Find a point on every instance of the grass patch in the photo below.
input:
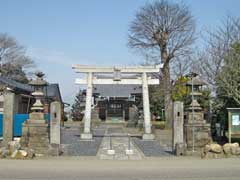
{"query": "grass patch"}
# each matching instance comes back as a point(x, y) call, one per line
point(158, 124)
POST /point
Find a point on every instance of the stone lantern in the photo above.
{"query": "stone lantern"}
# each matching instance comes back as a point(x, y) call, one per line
point(197, 131)
point(38, 84)
point(35, 131)
point(196, 85)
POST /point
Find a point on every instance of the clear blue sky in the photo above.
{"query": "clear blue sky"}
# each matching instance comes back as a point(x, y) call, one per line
point(59, 33)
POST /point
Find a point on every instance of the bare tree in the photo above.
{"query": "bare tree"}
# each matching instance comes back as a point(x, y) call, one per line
point(165, 31)
point(219, 42)
point(182, 66)
point(13, 60)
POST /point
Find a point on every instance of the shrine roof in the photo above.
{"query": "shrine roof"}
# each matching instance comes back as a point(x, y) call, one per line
point(52, 90)
point(115, 90)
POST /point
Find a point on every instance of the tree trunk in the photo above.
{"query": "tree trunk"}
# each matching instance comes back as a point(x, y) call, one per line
point(167, 96)
point(166, 84)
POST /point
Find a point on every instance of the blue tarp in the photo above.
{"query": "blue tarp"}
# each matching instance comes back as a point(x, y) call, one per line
point(1, 125)
point(18, 120)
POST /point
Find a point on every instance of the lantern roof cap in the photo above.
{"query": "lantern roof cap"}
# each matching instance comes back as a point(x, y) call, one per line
point(197, 81)
point(39, 81)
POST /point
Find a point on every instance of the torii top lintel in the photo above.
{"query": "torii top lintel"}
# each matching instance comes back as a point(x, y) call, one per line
point(104, 69)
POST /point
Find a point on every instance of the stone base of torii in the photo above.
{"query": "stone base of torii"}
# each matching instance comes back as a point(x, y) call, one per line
point(144, 80)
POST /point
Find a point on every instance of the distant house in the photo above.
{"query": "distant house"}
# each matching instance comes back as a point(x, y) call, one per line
point(23, 97)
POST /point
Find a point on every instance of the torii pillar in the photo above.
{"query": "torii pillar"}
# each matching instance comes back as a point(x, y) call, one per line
point(146, 109)
point(87, 116)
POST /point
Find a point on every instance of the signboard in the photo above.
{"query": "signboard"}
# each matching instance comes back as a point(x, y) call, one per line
point(235, 120)
point(233, 123)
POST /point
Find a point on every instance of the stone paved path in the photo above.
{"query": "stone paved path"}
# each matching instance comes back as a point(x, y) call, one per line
point(120, 143)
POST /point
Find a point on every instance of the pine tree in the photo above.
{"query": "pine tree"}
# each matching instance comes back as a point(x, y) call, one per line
point(78, 106)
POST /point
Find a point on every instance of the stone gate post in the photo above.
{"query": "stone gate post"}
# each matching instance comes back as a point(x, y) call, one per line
point(177, 123)
point(8, 113)
point(55, 122)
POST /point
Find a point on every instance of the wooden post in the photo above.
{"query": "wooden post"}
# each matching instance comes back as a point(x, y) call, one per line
point(229, 126)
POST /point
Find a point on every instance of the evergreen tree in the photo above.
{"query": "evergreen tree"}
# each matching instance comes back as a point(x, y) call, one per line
point(227, 86)
point(78, 106)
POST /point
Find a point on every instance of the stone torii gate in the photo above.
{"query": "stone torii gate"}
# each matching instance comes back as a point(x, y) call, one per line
point(144, 80)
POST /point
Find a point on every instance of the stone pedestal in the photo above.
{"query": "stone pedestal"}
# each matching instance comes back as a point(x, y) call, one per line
point(95, 115)
point(198, 118)
point(140, 120)
point(201, 136)
point(35, 134)
point(197, 131)
point(133, 117)
point(96, 121)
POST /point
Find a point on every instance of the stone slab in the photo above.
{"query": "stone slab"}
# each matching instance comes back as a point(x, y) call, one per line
point(110, 152)
point(36, 116)
point(129, 152)
point(33, 124)
point(86, 136)
point(37, 121)
point(148, 137)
